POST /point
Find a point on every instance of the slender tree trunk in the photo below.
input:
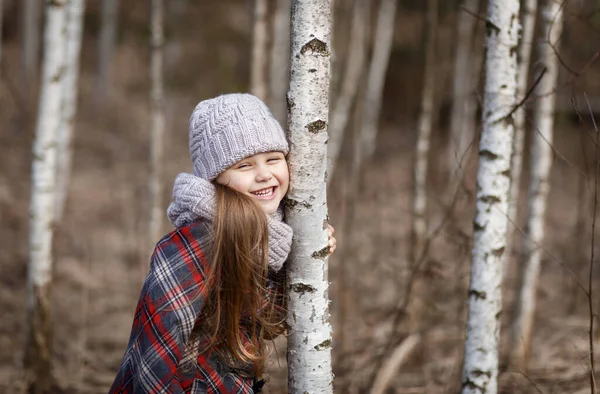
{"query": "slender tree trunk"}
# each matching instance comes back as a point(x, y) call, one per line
point(419, 230)
point(175, 11)
point(341, 17)
point(38, 352)
point(461, 83)
point(106, 46)
point(75, 10)
point(157, 122)
point(417, 305)
point(382, 47)
point(309, 339)
point(280, 60)
point(354, 70)
point(258, 79)
point(30, 44)
point(1, 18)
point(527, 35)
point(480, 366)
point(541, 163)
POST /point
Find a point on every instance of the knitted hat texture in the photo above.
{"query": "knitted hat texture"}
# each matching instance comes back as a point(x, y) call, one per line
point(229, 128)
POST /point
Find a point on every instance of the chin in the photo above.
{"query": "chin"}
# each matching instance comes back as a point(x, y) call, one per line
point(270, 207)
point(270, 210)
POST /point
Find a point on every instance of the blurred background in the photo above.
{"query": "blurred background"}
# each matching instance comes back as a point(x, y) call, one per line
point(100, 244)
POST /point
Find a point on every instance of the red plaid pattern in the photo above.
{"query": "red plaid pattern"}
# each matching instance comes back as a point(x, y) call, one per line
point(171, 300)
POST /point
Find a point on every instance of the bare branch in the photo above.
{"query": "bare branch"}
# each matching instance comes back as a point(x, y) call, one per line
point(529, 92)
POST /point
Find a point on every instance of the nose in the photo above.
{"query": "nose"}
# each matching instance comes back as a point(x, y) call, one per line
point(263, 174)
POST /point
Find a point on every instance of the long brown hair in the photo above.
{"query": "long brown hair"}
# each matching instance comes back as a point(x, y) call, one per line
point(239, 314)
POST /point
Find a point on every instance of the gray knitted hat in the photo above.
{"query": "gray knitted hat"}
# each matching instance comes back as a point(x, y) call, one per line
point(229, 128)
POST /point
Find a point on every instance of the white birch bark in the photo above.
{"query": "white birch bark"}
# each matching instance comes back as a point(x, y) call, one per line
point(74, 32)
point(38, 352)
point(309, 340)
point(280, 60)
point(354, 68)
point(528, 15)
point(30, 36)
point(157, 121)
point(106, 46)
point(480, 366)
point(541, 164)
point(382, 47)
point(258, 79)
point(461, 84)
point(419, 230)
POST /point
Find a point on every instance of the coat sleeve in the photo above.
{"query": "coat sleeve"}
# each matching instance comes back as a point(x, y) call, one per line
point(170, 302)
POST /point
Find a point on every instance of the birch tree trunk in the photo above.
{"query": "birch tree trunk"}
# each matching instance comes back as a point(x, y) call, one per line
point(106, 47)
point(480, 366)
point(461, 83)
point(354, 69)
point(382, 47)
point(417, 304)
point(541, 163)
point(527, 34)
point(30, 36)
point(157, 122)
point(309, 339)
point(258, 81)
point(280, 60)
point(419, 230)
point(38, 352)
point(74, 26)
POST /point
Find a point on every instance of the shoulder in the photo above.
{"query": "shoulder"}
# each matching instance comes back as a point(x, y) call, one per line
point(184, 248)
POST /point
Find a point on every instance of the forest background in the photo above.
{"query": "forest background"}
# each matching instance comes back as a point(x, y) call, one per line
point(101, 250)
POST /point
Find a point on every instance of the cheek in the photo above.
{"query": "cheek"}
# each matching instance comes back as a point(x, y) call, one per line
point(235, 181)
point(284, 179)
point(241, 184)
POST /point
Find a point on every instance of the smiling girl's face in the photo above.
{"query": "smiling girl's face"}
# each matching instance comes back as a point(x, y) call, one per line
point(264, 176)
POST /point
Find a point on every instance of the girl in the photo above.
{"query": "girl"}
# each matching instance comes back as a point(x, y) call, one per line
point(214, 293)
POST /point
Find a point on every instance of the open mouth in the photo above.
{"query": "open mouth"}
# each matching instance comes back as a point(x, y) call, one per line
point(265, 194)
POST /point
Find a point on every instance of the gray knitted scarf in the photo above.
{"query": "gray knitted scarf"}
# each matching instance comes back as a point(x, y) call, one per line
point(194, 198)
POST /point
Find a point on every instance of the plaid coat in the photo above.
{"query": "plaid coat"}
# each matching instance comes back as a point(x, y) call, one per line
point(157, 359)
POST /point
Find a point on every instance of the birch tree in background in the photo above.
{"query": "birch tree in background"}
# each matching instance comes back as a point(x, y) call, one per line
point(38, 351)
point(541, 163)
point(106, 46)
point(309, 336)
point(280, 60)
point(419, 229)
point(30, 43)
point(460, 132)
point(74, 26)
point(382, 47)
point(258, 81)
point(528, 15)
point(157, 122)
point(480, 366)
point(354, 69)
point(417, 304)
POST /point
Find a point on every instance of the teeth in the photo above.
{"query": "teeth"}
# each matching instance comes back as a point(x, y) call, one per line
point(265, 192)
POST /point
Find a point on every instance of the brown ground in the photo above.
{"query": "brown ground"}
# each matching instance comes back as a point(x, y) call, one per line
point(101, 252)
